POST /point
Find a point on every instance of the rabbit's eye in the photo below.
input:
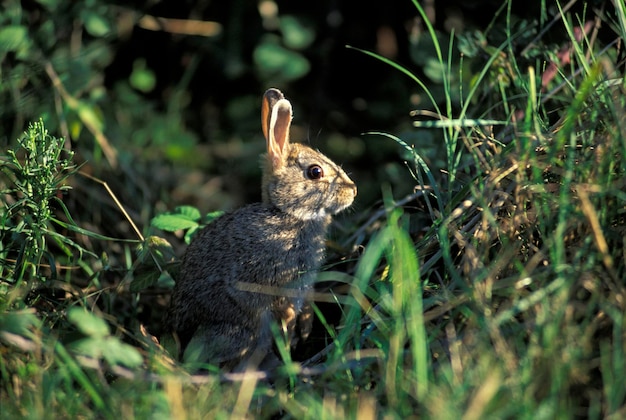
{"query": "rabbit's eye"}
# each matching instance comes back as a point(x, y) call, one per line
point(315, 172)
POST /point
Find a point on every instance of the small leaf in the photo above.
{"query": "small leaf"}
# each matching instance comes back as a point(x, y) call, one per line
point(172, 222)
point(144, 280)
point(196, 350)
point(189, 211)
point(184, 147)
point(185, 217)
point(190, 234)
point(91, 347)
point(117, 352)
point(88, 323)
point(158, 247)
point(166, 281)
point(434, 70)
point(19, 322)
point(142, 78)
point(296, 35)
point(275, 61)
point(13, 38)
point(170, 344)
point(210, 217)
point(95, 24)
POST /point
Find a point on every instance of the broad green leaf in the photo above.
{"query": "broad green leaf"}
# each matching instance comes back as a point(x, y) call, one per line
point(95, 24)
point(88, 323)
point(214, 215)
point(190, 212)
point(117, 352)
point(184, 217)
point(13, 38)
point(142, 78)
point(91, 347)
point(19, 322)
point(275, 61)
point(158, 247)
point(166, 281)
point(169, 343)
point(190, 234)
point(296, 35)
point(172, 222)
point(434, 70)
point(111, 349)
point(183, 148)
point(144, 280)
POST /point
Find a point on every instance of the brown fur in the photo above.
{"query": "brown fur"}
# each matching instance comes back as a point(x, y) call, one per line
point(254, 266)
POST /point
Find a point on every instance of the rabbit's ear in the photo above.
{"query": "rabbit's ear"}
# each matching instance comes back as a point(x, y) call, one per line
point(278, 135)
point(270, 98)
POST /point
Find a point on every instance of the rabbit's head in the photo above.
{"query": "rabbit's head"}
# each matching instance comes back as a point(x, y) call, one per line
point(297, 179)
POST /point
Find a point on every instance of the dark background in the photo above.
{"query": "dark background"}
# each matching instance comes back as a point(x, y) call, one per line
point(194, 136)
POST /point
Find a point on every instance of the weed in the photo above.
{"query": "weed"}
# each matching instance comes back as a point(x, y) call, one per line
point(36, 173)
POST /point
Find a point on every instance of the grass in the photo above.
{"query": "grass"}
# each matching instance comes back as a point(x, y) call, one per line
point(509, 302)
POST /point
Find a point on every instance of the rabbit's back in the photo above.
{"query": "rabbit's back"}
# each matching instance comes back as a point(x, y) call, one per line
point(237, 267)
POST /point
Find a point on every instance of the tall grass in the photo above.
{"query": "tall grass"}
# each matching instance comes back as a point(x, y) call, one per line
point(510, 302)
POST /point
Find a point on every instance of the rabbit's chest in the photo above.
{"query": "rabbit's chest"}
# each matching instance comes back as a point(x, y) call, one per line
point(295, 257)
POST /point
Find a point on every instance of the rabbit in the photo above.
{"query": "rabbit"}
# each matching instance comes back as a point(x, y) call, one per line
point(253, 267)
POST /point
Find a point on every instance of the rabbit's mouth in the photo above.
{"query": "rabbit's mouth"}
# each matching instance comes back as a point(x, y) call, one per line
point(324, 212)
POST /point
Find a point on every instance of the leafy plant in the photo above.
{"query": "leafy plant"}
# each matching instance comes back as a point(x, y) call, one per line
point(98, 342)
point(184, 218)
point(36, 175)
